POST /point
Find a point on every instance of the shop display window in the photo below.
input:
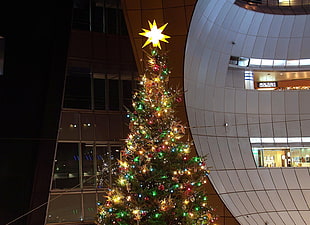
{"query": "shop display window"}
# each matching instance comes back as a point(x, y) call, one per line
point(282, 157)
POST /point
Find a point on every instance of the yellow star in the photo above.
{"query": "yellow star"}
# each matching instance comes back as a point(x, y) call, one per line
point(154, 35)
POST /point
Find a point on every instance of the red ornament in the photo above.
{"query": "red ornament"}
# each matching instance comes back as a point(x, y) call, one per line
point(146, 198)
point(161, 187)
point(156, 67)
point(178, 99)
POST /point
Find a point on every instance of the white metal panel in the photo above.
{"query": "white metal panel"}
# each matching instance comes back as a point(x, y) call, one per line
point(305, 125)
point(264, 102)
point(299, 26)
point(257, 19)
point(252, 102)
point(286, 218)
point(299, 200)
point(235, 153)
point(275, 200)
point(275, 26)
point(264, 198)
point(235, 209)
point(304, 105)
point(291, 102)
point(229, 100)
point(255, 180)
point(224, 151)
point(249, 208)
point(258, 49)
point(248, 46)
point(279, 125)
point(240, 100)
point(278, 179)
point(247, 154)
point(290, 178)
point(214, 151)
point(234, 177)
point(282, 48)
point(294, 48)
point(303, 177)
point(266, 125)
point(216, 181)
point(265, 176)
point(286, 26)
point(296, 217)
point(277, 103)
point(226, 181)
point(255, 201)
point(270, 48)
point(287, 199)
point(305, 48)
point(306, 32)
point(265, 25)
point(293, 126)
point(306, 216)
point(244, 179)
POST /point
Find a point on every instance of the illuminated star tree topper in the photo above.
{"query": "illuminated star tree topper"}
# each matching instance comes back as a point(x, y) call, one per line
point(154, 35)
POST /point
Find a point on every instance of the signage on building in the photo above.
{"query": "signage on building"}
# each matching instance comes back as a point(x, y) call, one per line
point(267, 84)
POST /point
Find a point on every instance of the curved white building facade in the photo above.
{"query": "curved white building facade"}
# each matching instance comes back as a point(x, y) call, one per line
point(224, 115)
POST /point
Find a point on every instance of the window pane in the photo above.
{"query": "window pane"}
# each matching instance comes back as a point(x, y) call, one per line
point(127, 93)
point(99, 93)
point(80, 17)
point(77, 89)
point(65, 208)
point(88, 175)
point(97, 19)
point(111, 20)
point(103, 166)
point(66, 173)
point(113, 95)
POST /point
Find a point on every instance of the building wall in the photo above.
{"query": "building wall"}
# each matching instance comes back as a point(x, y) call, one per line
point(36, 39)
point(224, 115)
point(100, 79)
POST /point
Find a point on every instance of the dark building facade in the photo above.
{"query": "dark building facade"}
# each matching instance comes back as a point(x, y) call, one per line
point(36, 38)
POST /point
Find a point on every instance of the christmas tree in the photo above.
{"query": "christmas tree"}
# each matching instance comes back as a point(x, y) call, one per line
point(159, 182)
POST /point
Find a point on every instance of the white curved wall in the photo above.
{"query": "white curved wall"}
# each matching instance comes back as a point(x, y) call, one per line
point(216, 95)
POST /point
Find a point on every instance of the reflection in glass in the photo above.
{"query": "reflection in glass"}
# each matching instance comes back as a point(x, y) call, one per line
point(66, 172)
point(88, 175)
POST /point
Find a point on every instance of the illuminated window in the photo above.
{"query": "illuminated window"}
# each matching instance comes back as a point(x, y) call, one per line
point(284, 2)
point(282, 156)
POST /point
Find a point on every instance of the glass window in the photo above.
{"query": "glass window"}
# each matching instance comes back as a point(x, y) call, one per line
point(113, 92)
point(255, 62)
point(107, 169)
point(127, 93)
point(103, 165)
point(279, 62)
point(1, 55)
point(112, 20)
point(99, 93)
point(88, 174)
point(98, 19)
point(282, 157)
point(66, 172)
point(80, 15)
point(304, 62)
point(70, 211)
point(78, 88)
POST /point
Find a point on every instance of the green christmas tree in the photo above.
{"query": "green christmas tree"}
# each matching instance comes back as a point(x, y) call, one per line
point(159, 182)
